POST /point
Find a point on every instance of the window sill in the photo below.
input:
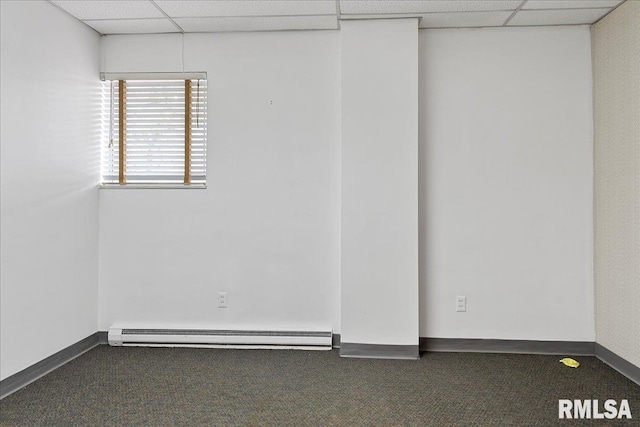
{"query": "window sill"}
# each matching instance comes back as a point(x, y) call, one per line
point(153, 186)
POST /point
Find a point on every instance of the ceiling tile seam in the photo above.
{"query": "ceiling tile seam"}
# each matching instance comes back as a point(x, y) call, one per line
point(408, 15)
point(256, 31)
point(549, 25)
point(419, 18)
point(251, 16)
point(154, 32)
point(422, 28)
point(501, 26)
point(338, 13)
point(122, 19)
point(433, 13)
point(461, 28)
point(563, 9)
point(168, 17)
point(389, 16)
point(520, 6)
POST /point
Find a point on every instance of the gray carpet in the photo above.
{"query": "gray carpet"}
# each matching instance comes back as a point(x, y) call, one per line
point(111, 386)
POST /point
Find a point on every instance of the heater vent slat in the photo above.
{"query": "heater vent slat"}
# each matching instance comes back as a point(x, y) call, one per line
point(225, 333)
point(225, 338)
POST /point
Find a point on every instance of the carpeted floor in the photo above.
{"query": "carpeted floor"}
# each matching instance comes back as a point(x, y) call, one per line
point(111, 386)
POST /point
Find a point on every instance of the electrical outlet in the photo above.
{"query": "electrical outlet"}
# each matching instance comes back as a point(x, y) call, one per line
point(461, 303)
point(222, 300)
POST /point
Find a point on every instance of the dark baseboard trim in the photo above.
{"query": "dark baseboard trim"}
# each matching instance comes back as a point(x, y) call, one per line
point(335, 341)
point(25, 377)
point(621, 365)
point(103, 337)
point(576, 348)
point(377, 351)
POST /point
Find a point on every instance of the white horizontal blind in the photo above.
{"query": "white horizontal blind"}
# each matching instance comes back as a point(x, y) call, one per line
point(154, 132)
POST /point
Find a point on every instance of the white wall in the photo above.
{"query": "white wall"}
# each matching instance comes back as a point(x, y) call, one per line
point(380, 182)
point(616, 68)
point(267, 228)
point(506, 183)
point(505, 187)
point(49, 215)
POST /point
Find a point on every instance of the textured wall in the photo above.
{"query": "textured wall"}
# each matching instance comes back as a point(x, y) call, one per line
point(616, 69)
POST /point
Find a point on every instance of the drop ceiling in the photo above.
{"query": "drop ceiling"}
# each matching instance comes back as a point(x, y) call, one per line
point(205, 16)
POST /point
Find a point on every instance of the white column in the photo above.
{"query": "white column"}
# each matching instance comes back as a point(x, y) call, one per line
point(379, 307)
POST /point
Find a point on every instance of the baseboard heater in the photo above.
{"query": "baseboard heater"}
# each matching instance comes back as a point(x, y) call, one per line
point(204, 338)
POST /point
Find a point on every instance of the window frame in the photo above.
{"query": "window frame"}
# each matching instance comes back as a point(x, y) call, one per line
point(121, 79)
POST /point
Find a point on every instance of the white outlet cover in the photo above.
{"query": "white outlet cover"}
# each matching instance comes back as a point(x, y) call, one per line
point(222, 300)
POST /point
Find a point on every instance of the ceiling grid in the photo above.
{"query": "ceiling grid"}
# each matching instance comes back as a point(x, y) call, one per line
point(209, 16)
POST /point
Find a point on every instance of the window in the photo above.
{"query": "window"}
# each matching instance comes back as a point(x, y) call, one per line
point(157, 131)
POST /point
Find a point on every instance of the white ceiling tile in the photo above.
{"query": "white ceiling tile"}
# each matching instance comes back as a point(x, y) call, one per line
point(568, 4)
point(216, 8)
point(557, 17)
point(109, 9)
point(424, 6)
point(132, 26)
point(464, 19)
point(258, 23)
